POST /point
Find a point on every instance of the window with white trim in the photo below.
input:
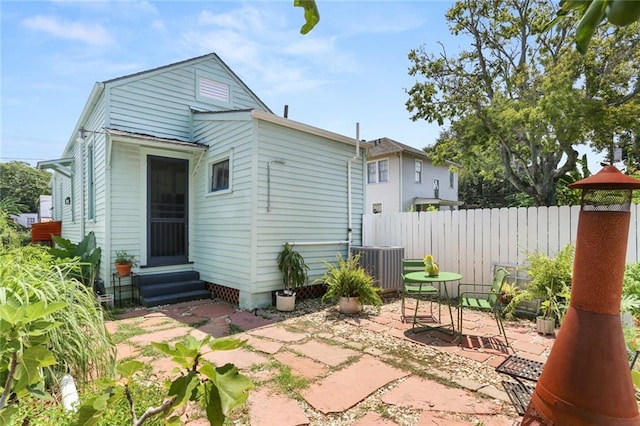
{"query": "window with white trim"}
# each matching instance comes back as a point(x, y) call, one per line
point(418, 173)
point(436, 188)
point(376, 208)
point(378, 171)
point(219, 174)
point(451, 179)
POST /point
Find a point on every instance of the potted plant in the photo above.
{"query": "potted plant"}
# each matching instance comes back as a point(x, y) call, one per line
point(507, 293)
point(550, 284)
point(349, 284)
point(294, 275)
point(124, 262)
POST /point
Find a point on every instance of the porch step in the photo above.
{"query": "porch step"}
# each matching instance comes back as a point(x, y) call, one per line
point(171, 287)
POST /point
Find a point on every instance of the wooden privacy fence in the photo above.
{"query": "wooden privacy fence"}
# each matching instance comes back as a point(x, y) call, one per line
point(472, 241)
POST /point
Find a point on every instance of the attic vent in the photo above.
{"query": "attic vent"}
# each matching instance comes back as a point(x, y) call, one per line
point(214, 90)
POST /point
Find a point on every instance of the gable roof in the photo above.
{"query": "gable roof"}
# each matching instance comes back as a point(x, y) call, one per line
point(99, 88)
point(385, 145)
point(187, 61)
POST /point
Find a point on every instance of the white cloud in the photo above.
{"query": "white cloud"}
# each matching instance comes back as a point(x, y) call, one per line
point(93, 34)
point(259, 42)
point(158, 25)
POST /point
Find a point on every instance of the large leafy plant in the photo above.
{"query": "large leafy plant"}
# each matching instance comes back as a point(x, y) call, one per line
point(218, 390)
point(550, 283)
point(80, 343)
point(86, 251)
point(293, 268)
point(347, 278)
point(24, 351)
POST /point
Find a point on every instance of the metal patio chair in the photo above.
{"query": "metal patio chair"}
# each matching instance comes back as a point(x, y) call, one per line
point(416, 290)
point(483, 297)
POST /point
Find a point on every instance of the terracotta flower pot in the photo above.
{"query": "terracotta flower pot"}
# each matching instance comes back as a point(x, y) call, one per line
point(349, 305)
point(124, 269)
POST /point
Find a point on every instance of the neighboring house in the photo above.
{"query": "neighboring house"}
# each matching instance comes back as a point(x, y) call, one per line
point(45, 208)
point(401, 178)
point(185, 167)
point(25, 219)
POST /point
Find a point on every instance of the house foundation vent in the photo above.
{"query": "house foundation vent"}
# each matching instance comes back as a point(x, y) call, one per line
point(384, 264)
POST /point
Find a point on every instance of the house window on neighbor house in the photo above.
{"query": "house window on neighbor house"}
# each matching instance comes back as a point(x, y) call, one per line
point(372, 172)
point(376, 208)
point(451, 179)
point(436, 188)
point(418, 171)
point(91, 188)
point(378, 171)
point(383, 171)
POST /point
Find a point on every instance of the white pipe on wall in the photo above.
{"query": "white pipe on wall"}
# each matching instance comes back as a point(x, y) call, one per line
point(314, 243)
point(349, 195)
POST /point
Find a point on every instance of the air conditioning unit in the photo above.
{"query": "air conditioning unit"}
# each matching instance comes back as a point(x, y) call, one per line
point(384, 264)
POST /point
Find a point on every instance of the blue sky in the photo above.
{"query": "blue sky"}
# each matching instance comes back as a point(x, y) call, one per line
point(351, 68)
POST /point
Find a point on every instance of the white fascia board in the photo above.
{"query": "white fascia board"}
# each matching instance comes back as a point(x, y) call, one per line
point(285, 122)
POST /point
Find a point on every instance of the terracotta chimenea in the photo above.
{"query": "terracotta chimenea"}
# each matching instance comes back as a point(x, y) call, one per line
point(586, 380)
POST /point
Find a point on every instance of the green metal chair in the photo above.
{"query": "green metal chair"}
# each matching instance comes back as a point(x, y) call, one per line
point(416, 290)
point(483, 297)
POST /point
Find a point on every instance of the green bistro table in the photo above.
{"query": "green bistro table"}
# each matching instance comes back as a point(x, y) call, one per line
point(441, 280)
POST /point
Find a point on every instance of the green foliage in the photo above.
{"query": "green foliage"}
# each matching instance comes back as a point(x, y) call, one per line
point(566, 196)
point(631, 280)
point(218, 390)
point(24, 184)
point(550, 282)
point(81, 344)
point(124, 258)
point(87, 252)
point(521, 99)
point(10, 235)
point(311, 14)
point(24, 351)
point(594, 13)
point(349, 279)
point(293, 268)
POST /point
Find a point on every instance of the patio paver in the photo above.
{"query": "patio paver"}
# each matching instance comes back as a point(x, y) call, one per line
point(350, 385)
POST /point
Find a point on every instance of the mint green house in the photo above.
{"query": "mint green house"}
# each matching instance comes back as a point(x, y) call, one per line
point(186, 168)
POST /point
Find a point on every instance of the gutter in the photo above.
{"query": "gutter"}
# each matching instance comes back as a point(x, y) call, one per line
point(349, 194)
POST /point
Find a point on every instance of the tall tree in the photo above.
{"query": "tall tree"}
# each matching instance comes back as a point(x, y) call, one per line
point(23, 184)
point(518, 94)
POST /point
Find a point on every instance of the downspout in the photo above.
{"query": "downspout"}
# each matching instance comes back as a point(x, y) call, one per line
point(349, 195)
point(400, 175)
point(80, 141)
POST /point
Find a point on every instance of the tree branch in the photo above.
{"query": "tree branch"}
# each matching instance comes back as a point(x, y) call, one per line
point(7, 385)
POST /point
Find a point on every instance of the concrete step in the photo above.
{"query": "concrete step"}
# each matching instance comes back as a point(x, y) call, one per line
point(169, 299)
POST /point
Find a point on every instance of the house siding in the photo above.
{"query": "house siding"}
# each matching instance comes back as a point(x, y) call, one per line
point(308, 199)
point(159, 102)
point(221, 244)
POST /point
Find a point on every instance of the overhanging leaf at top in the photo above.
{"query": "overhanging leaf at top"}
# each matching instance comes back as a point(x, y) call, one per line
point(311, 14)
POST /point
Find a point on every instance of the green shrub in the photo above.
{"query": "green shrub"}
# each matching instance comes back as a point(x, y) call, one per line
point(349, 279)
point(631, 281)
point(550, 282)
point(80, 344)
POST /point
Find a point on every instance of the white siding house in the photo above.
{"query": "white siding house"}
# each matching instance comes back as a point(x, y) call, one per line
point(400, 178)
point(185, 167)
